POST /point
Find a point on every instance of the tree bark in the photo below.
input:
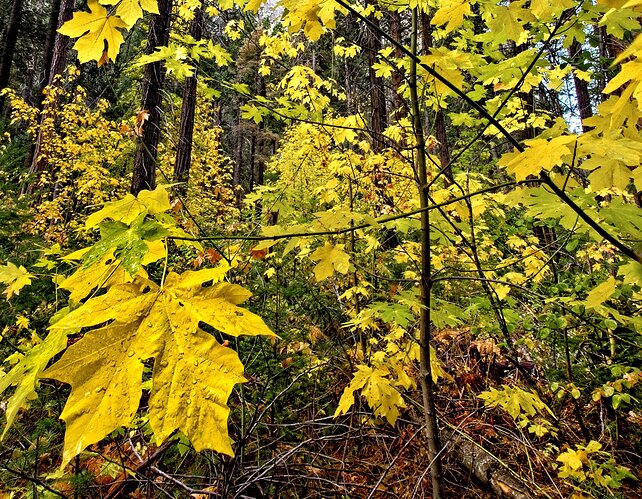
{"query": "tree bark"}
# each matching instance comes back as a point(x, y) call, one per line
point(144, 176)
point(238, 159)
point(581, 87)
point(54, 24)
point(487, 469)
point(259, 156)
point(184, 149)
point(9, 45)
point(378, 120)
point(398, 101)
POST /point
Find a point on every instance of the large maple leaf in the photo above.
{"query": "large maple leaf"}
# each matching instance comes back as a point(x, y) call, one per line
point(94, 29)
point(193, 374)
point(131, 11)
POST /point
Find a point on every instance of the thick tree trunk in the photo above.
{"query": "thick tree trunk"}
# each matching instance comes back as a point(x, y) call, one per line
point(238, 159)
point(9, 45)
point(378, 120)
point(252, 159)
point(259, 157)
point(398, 101)
point(184, 149)
point(54, 24)
point(581, 87)
point(144, 176)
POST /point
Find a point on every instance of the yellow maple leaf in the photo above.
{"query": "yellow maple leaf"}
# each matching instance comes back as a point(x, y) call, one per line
point(451, 13)
point(541, 155)
point(127, 209)
point(105, 367)
point(382, 397)
point(15, 278)
point(94, 29)
point(131, 11)
point(331, 259)
point(602, 292)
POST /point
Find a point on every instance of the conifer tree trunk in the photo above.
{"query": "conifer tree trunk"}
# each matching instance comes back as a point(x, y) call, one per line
point(9, 44)
point(259, 157)
point(144, 176)
point(238, 159)
point(581, 87)
point(398, 101)
point(378, 121)
point(54, 18)
point(184, 149)
point(60, 49)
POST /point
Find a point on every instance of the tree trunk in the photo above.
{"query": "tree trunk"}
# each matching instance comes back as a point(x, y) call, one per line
point(184, 149)
point(581, 87)
point(440, 121)
point(9, 45)
point(144, 176)
point(427, 384)
point(238, 159)
point(54, 24)
point(259, 157)
point(398, 101)
point(378, 121)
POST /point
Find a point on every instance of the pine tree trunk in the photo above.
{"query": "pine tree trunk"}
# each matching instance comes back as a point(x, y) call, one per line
point(9, 45)
point(184, 149)
point(238, 159)
point(378, 122)
point(398, 101)
point(259, 157)
point(144, 176)
point(581, 87)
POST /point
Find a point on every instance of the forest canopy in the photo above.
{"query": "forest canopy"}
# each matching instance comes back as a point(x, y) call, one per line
point(284, 248)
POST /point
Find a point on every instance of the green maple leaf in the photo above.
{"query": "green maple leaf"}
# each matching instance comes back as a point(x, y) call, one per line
point(130, 243)
point(252, 112)
point(192, 377)
point(543, 204)
point(94, 29)
point(15, 278)
point(619, 21)
point(331, 259)
point(507, 23)
point(393, 312)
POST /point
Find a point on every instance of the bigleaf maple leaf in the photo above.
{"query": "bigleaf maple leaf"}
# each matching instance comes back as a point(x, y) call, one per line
point(93, 29)
point(193, 375)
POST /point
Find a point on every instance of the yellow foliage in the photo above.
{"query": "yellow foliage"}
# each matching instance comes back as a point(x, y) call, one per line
point(82, 155)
